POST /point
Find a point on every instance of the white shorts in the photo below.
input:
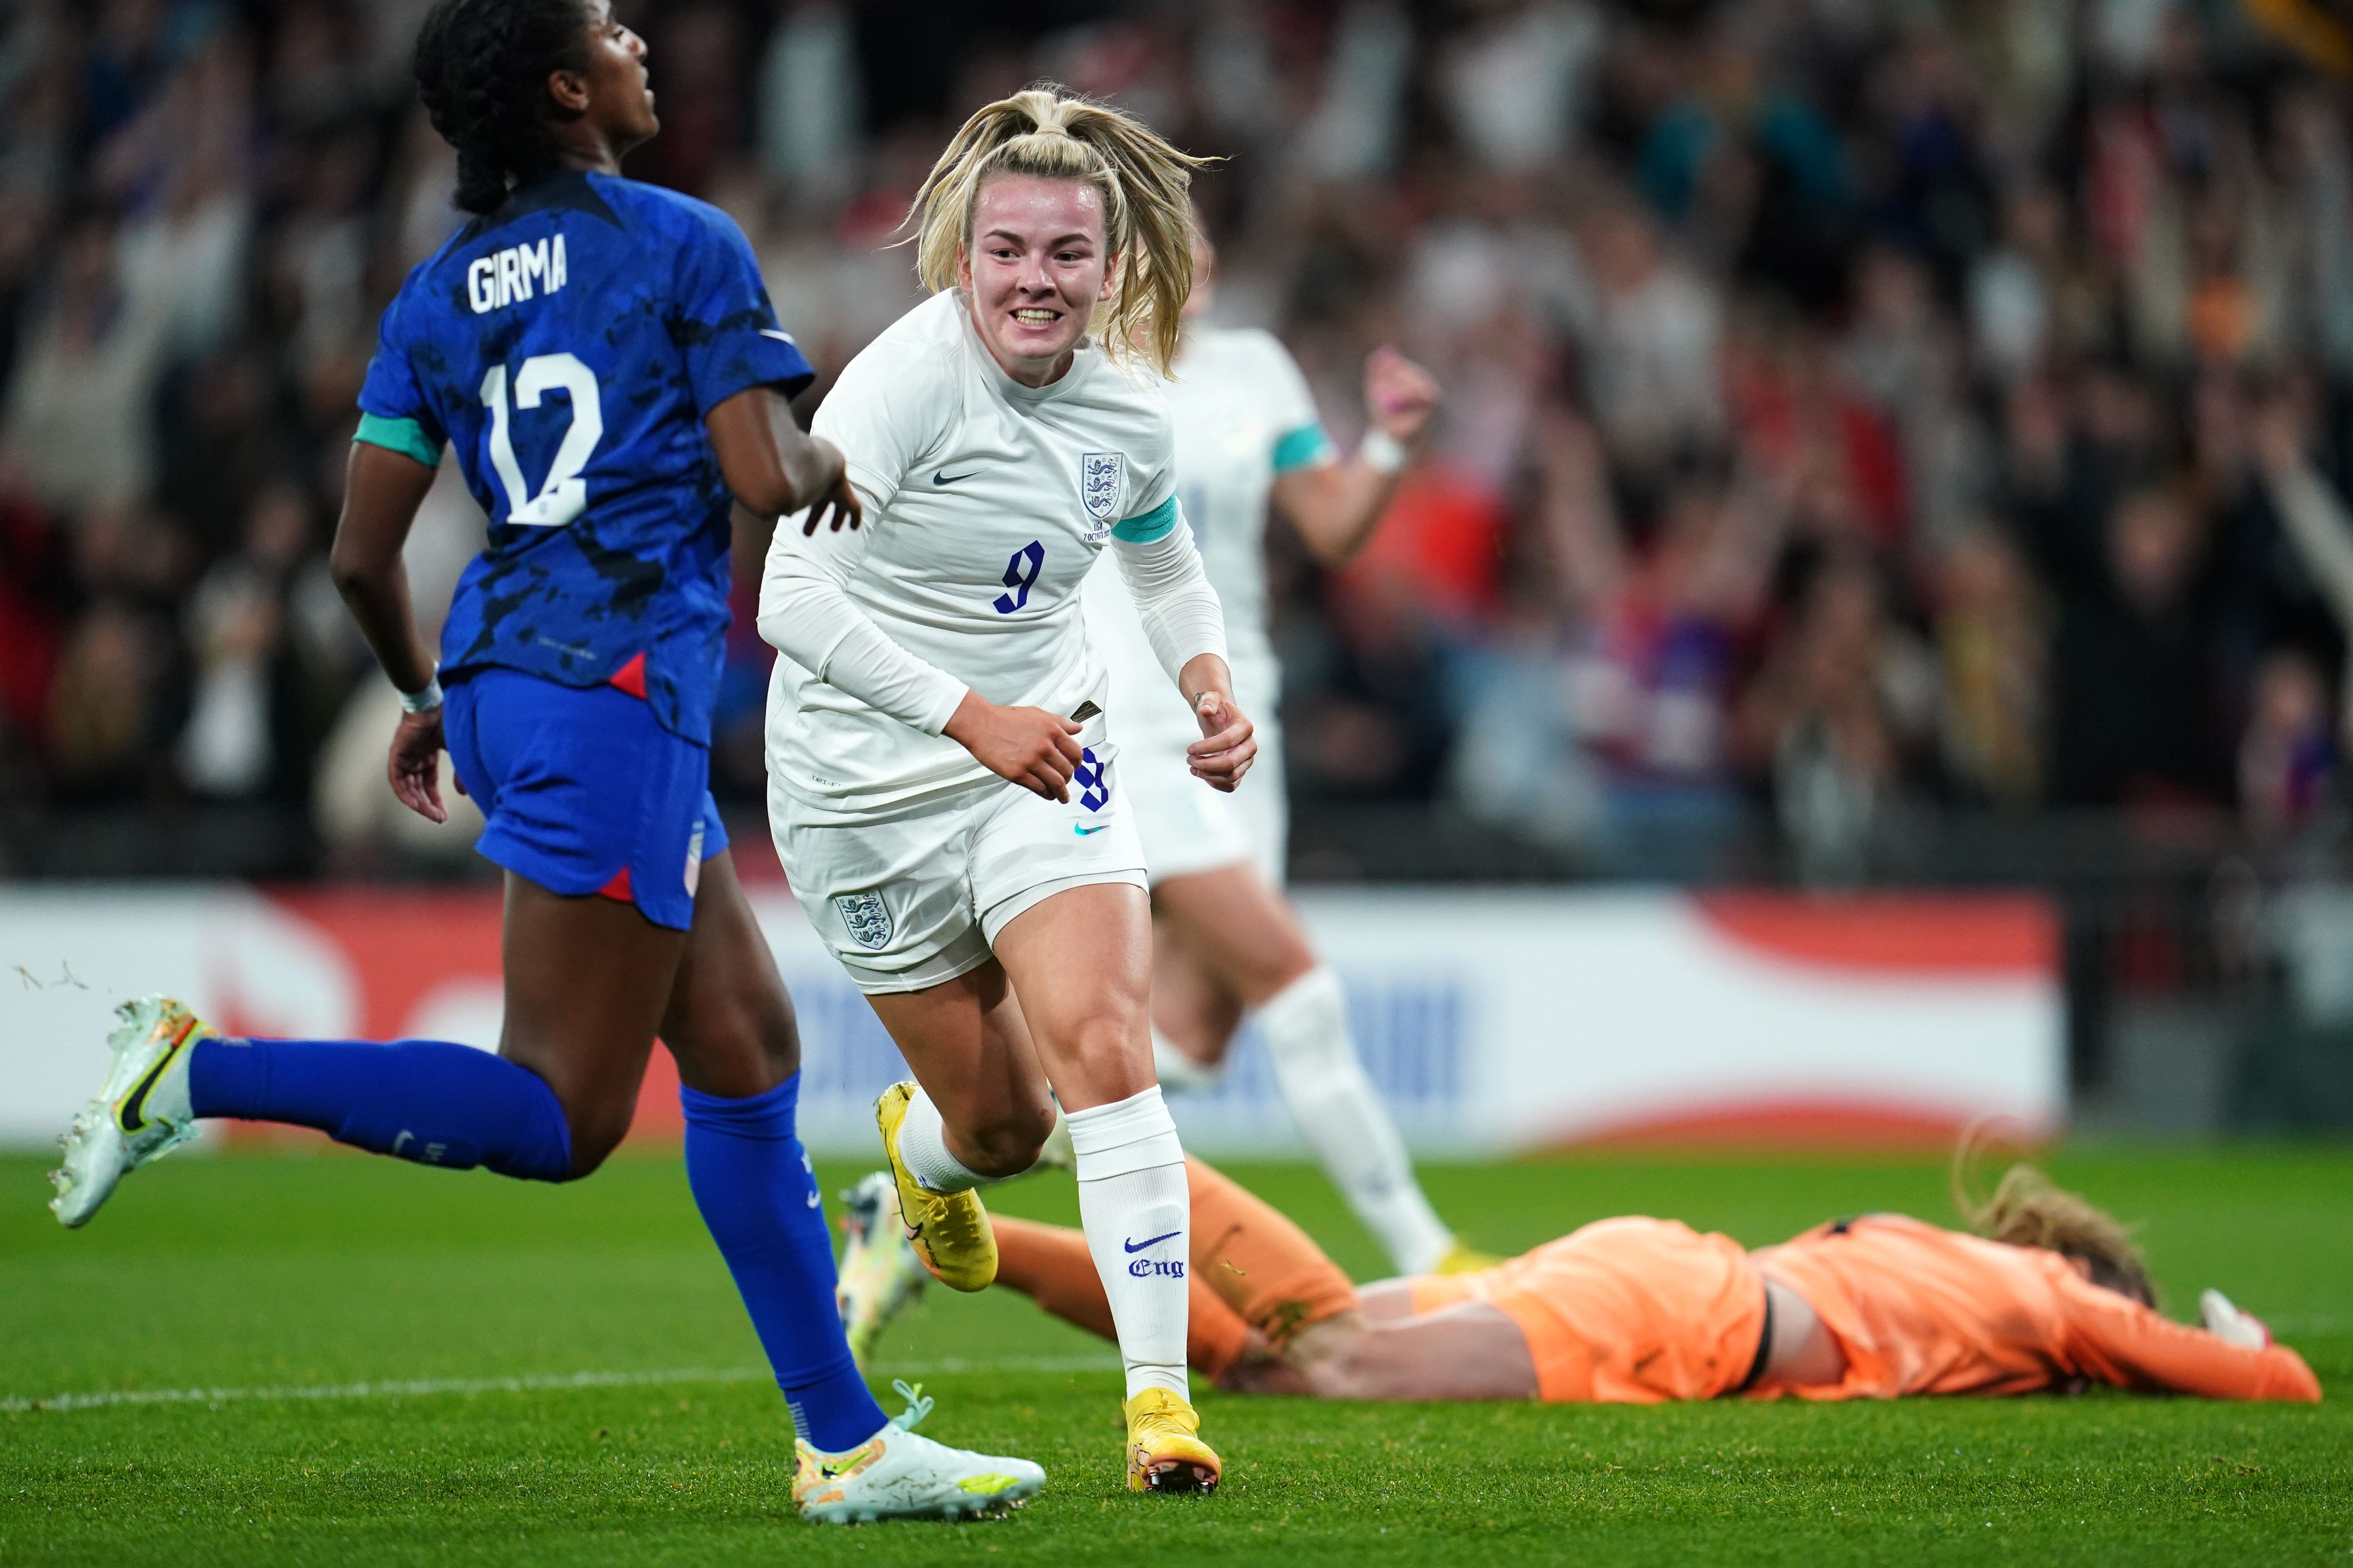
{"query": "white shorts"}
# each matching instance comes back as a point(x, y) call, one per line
point(1188, 827)
point(912, 902)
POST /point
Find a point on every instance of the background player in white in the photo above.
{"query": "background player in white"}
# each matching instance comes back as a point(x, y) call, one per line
point(1224, 938)
point(942, 782)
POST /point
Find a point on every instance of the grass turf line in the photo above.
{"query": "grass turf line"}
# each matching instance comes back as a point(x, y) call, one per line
point(309, 1272)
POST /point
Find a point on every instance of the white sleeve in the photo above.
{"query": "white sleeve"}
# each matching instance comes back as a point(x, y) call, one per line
point(1181, 615)
point(883, 413)
point(806, 615)
point(1289, 400)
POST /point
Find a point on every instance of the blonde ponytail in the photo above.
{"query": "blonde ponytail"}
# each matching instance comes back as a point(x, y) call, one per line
point(1147, 211)
point(2028, 1209)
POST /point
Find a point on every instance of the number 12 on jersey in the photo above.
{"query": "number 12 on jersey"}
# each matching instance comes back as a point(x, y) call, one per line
point(563, 494)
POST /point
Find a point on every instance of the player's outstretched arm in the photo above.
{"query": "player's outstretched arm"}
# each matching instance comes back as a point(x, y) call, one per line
point(1337, 507)
point(2120, 1341)
point(774, 467)
point(381, 490)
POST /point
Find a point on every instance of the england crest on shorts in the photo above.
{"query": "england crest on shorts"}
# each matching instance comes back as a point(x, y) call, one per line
point(1099, 477)
point(868, 918)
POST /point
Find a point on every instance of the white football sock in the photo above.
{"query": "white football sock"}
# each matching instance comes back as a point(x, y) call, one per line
point(1180, 1072)
point(1138, 1216)
point(1306, 1028)
point(923, 1147)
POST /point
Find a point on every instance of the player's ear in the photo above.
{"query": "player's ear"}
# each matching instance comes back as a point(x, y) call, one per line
point(964, 268)
point(568, 90)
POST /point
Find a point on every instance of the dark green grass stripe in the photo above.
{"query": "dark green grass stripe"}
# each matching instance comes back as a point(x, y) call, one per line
point(325, 1272)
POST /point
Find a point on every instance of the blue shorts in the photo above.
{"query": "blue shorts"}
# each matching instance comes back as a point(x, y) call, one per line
point(585, 791)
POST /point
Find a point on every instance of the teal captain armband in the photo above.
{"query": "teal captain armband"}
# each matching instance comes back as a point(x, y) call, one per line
point(406, 436)
point(1150, 526)
point(1301, 448)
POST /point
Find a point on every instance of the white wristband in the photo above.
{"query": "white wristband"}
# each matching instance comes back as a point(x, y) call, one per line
point(423, 701)
point(1382, 452)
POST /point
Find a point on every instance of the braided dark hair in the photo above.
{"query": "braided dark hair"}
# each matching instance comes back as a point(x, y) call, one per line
point(481, 68)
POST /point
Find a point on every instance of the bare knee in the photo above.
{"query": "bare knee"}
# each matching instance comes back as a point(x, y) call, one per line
point(1264, 974)
point(1101, 1058)
point(1004, 1144)
point(769, 1032)
point(736, 1051)
point(593, 1131)
point(1239, 931)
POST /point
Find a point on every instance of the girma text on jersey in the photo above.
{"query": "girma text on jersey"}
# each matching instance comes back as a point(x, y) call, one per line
point(505, 276)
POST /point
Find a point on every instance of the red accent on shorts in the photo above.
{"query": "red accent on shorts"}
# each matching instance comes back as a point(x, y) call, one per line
point(618, 888)
point(631, 678)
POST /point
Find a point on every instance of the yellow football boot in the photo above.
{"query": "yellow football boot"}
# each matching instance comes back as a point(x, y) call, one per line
point(1165, 1451)
point(949, 1231)
point(1461, 1258)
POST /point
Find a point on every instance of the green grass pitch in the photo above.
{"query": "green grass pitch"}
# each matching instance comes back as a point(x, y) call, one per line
point(475, 1299)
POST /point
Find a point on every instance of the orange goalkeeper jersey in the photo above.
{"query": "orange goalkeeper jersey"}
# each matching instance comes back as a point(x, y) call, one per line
point(1921, 1309)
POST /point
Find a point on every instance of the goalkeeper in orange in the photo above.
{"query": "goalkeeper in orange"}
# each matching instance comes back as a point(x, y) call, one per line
point(2045, 1292)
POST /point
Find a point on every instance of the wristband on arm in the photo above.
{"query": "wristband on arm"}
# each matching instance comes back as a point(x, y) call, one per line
point(425, 700)
point(1382, 452)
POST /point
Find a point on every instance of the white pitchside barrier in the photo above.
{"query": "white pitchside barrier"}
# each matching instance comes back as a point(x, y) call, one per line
point(1494, 1021)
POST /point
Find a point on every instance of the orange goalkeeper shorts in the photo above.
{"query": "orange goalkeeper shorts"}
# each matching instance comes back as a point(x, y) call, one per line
point(1624, 1311)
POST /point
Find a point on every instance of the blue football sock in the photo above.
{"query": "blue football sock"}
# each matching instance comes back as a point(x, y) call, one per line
point(751, 1180)
point(426, 1101)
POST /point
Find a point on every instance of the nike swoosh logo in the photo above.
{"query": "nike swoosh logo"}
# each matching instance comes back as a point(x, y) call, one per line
point(779, 336)
point(813, 1200)
point(130, 1119)
point(1081, 829)
point(942, 476)
point(1140, 1245)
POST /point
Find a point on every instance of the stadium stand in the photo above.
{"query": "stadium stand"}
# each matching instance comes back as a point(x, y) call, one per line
point(1884, 444)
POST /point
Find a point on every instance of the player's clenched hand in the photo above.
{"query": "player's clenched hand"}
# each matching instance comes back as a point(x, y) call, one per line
point(1399, 394)
point(1227, 745)
point(1035, 749)
point(416, 766)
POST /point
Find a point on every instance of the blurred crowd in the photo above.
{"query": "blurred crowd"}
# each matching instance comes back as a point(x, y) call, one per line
point(1857, 413)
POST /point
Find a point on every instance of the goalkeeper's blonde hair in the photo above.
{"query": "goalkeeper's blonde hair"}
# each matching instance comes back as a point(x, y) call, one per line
point(1148, 213)
point(2027, 1208)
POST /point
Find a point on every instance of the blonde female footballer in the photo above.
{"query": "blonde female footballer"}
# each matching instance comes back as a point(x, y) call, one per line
point(944, 784)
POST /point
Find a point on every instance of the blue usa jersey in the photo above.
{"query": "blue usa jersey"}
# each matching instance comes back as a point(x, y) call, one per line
point(568, 346)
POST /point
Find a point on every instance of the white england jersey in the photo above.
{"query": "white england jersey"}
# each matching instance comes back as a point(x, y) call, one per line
point(986, 503)
point(1243, 416)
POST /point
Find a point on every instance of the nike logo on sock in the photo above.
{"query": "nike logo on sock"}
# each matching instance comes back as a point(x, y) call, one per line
point(1140, 1245)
